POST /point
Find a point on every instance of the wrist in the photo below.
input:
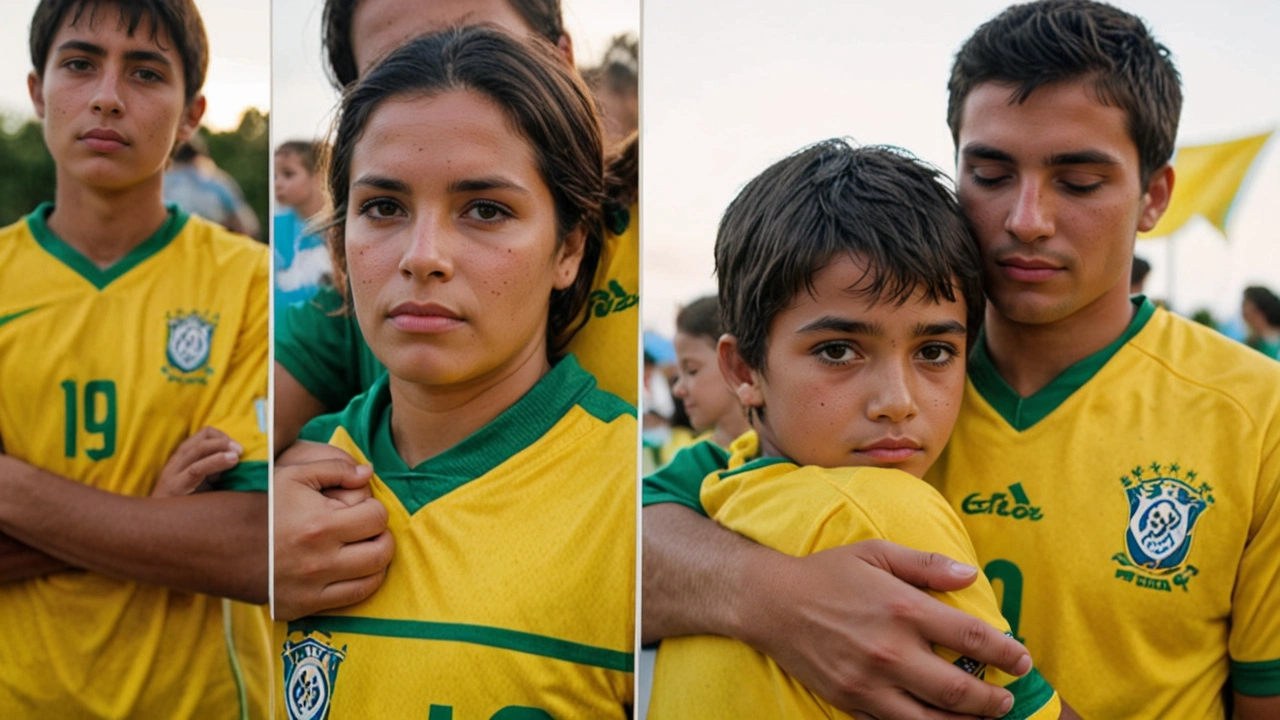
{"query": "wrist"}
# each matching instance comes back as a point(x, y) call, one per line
point(754, 579)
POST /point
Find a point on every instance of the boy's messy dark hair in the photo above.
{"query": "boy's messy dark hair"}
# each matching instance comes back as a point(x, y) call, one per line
point(701, 318)
point(879, 204)
point(179, 18)
point(543, 16)
point(1050, 41)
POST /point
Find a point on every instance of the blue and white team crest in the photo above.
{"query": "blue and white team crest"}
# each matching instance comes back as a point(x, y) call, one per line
point(310, 671)
point(1164, 505)
point(187, 348)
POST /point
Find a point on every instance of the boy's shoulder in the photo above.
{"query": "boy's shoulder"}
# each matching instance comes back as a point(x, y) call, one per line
point(815, 508)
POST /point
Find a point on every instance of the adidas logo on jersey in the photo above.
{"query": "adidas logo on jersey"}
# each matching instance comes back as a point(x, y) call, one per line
point(1014, 504)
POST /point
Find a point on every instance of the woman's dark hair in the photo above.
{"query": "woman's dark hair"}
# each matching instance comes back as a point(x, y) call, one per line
point(545, 102)
point(1266, 302)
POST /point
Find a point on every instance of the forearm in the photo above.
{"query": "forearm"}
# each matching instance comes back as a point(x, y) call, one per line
point(20, 562)
point(213, 543)
point(1256, 708)
point(692, 575)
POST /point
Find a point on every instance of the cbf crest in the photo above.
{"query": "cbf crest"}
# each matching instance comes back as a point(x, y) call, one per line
point(188, 345)
point(310, 672)
point(1164, 505)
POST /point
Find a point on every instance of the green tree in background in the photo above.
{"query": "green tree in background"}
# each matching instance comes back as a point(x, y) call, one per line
point(27, 173)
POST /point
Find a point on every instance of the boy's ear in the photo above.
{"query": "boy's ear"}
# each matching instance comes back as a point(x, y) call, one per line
point(743, 380)
point(191, 116)
point(35, 88)
point(569, 258)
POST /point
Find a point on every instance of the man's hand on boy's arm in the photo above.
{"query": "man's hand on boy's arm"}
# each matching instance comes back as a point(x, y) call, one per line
point(843, 622)
point(213, 543)
point(332, 546)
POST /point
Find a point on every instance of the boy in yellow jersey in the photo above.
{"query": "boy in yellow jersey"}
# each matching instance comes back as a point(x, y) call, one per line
point(125, 327)
point(846, 342)
point(323, 361)
point(1117, 467)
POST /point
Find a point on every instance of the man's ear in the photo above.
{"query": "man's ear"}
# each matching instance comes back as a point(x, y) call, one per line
point(743, 380)
point(191, 116)
point(35, 88)
point(1156, 198)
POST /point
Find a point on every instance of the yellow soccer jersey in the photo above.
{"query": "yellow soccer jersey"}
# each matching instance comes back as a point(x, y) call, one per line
point(512, 590)
point(608, 344)
point(1127, 515)
point(801, 511)
point(103, 373)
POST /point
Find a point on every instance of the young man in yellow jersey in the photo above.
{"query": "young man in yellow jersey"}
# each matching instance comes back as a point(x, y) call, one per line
point(125, 327)
point(849, 283)
point(1116, 466)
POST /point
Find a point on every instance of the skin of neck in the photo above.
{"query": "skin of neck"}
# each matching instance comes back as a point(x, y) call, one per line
point(104, 225)
point(428, 420)
point(1029, 356)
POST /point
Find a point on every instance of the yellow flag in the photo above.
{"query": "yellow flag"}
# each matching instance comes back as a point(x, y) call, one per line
point(1207, 178)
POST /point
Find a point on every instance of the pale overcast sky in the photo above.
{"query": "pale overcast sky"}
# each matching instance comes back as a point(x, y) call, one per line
point(728, 93)
point(239, 61)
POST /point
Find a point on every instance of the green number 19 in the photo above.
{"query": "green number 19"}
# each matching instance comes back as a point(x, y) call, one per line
point(99, 417)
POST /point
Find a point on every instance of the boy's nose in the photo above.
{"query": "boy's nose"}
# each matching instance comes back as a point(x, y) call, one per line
point(106, 98)
point(893, 397)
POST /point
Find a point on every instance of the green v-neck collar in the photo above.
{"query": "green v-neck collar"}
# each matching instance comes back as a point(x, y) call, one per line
point(1022, 413)
point(518, 427)
point(37, 221)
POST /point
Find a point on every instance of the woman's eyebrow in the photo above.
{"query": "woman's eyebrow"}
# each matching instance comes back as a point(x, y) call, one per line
point(382, 183)
point(493, 182)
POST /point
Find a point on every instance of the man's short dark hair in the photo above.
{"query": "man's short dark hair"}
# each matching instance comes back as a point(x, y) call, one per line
point(543, 16)
point(179, 18)
point(701, 318)
point(1050, 41)
point(880, 204)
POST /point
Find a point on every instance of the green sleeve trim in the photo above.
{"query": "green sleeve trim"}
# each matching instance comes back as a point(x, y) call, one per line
point(248, 476)
point(1256, 679)
point(503, 638)
point(37, 222)
point(1022, 413)
point(756, 464)
point(320, 429)
point(680, 481)
point(1031, 693)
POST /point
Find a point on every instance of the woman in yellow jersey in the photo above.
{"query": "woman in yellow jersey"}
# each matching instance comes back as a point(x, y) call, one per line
point(468, 184)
